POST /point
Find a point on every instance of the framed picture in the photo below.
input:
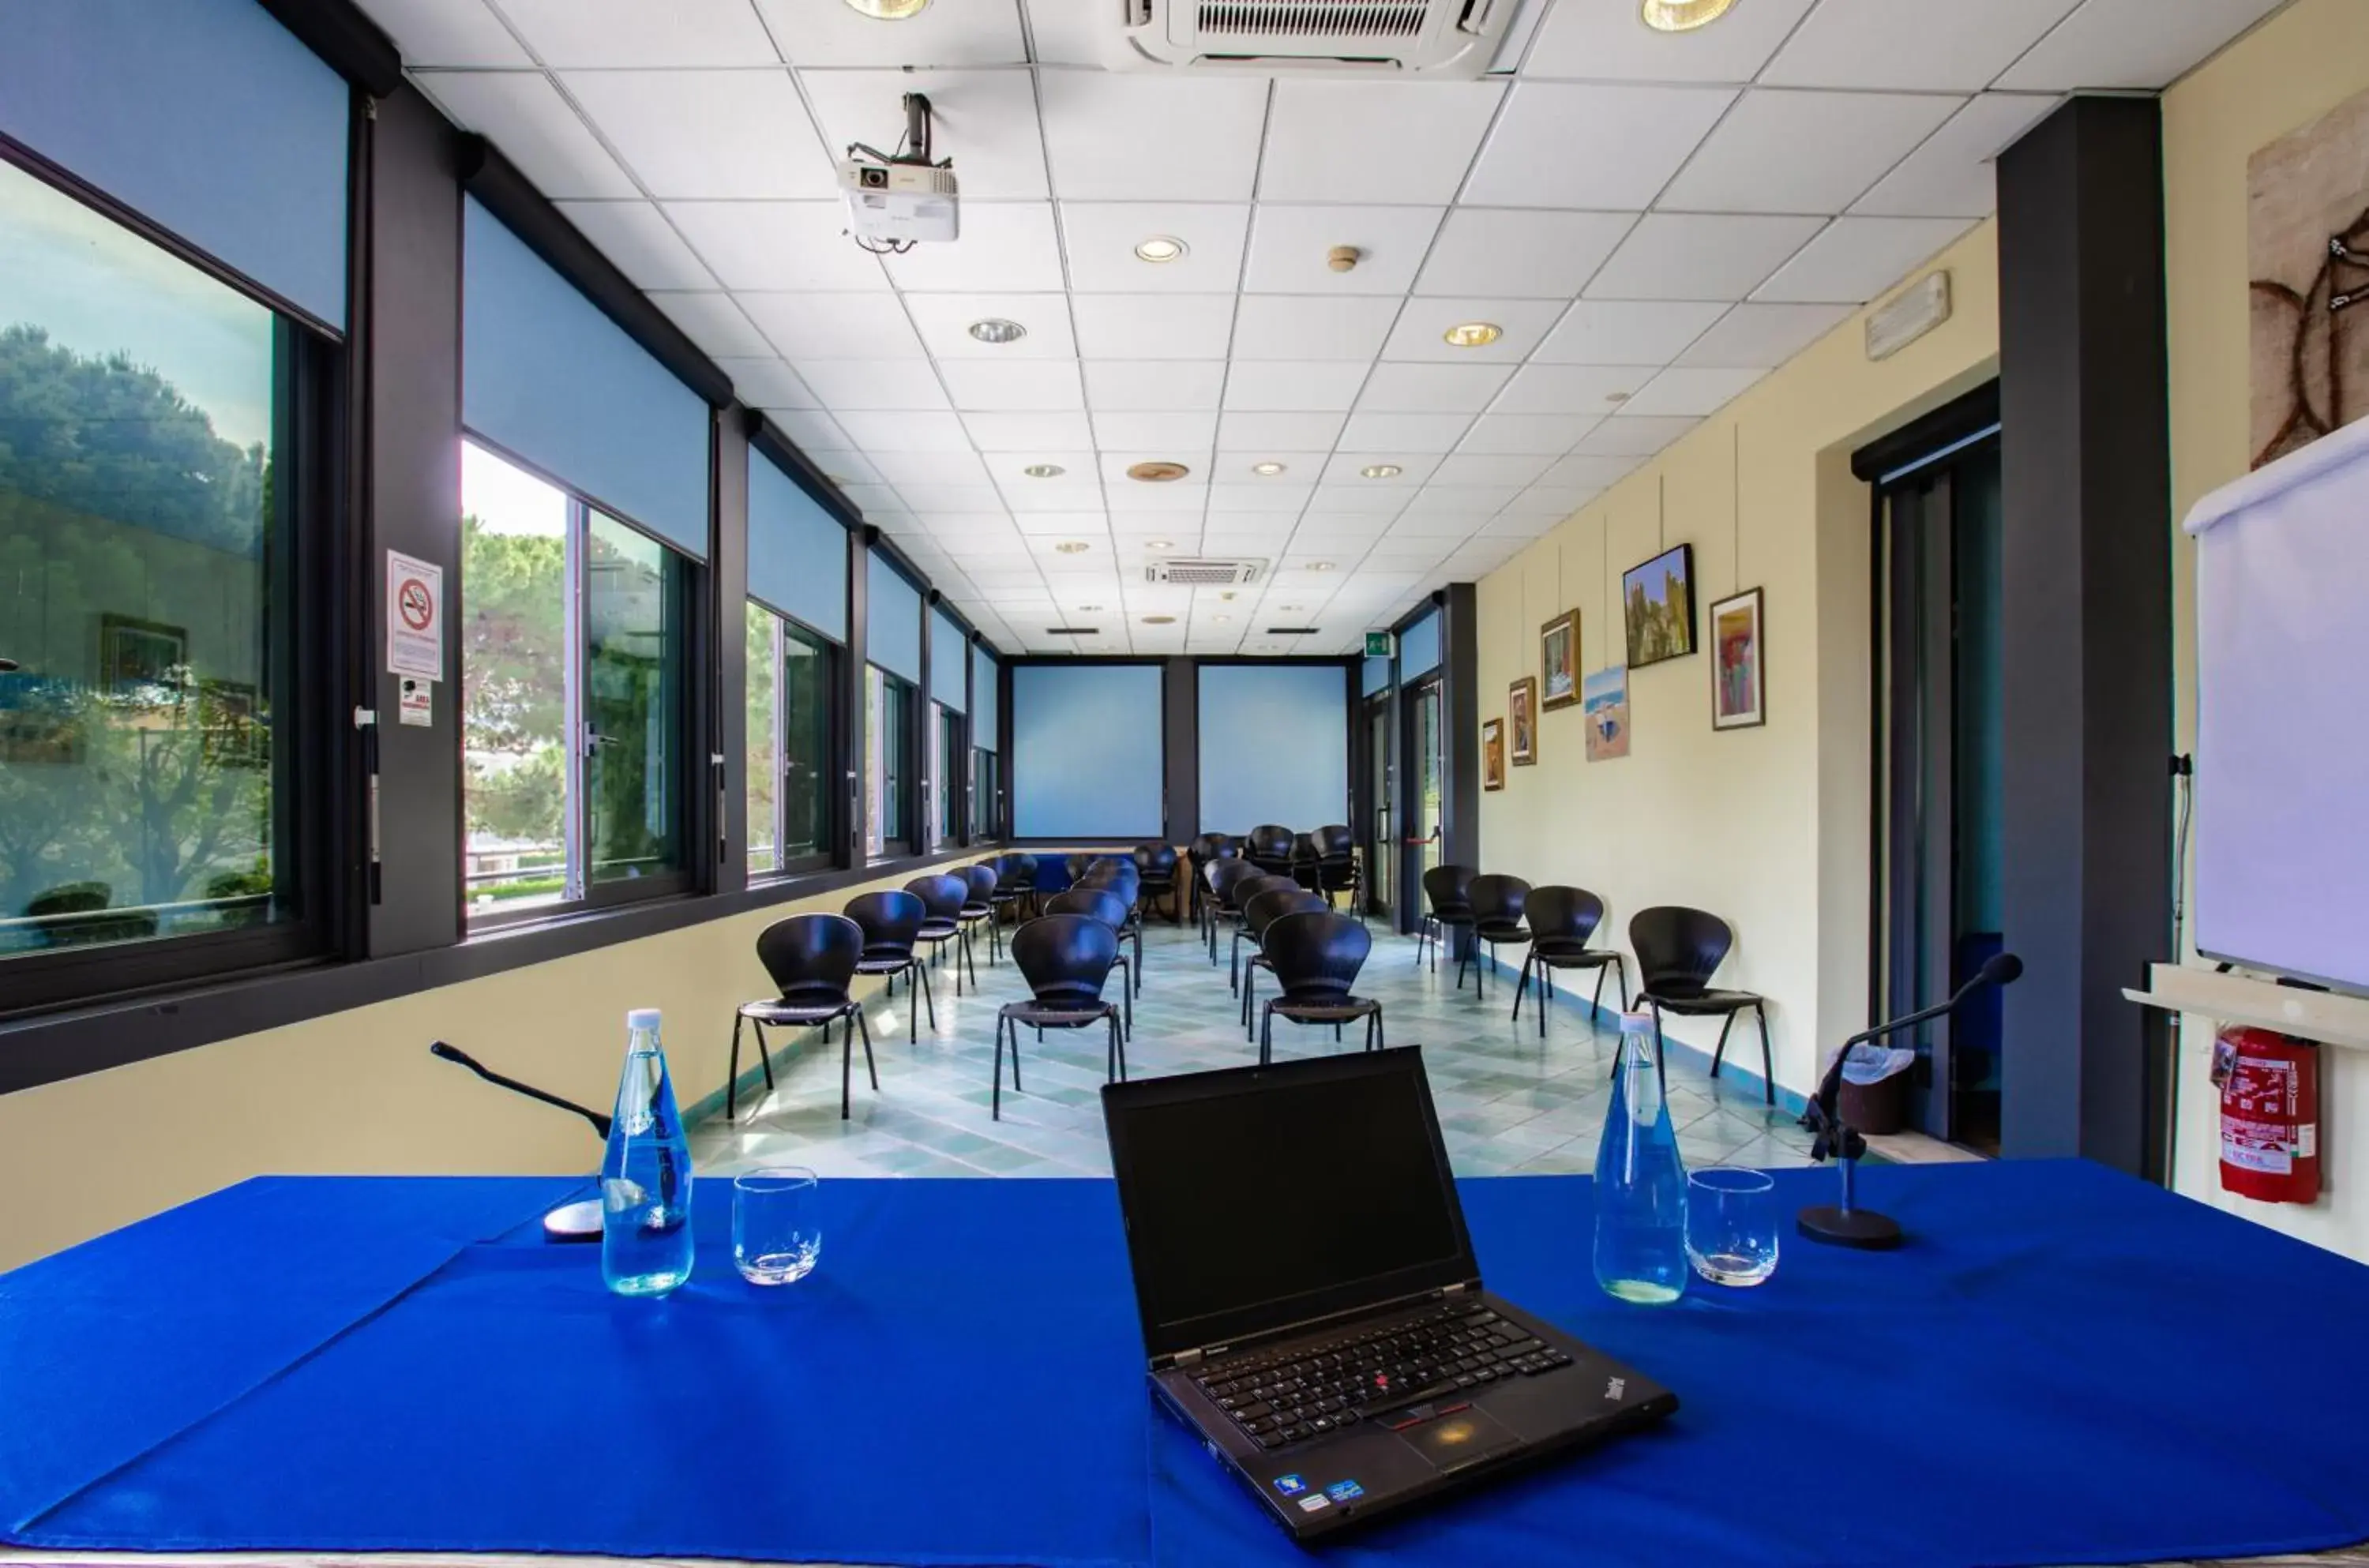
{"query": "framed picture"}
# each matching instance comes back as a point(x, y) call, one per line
point(1493, 754)
point(1522, 719)
point(1558, 662)
point(1605, 696)
point(1658, 598)
point(1739, 668)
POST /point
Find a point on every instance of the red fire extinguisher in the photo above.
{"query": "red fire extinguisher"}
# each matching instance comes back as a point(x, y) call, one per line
point(2269, 1114)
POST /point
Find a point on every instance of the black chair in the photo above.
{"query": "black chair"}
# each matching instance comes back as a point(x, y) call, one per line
point(1156, 865)
point(1269, 849)
point(892, 926)
point(1077, 866)
point(811, 958)
point(1238, 899)
point(1066, 959)
point(943, 896)
point(1679, 950)
point(979, 908)
point(1303, 860)
point(1316, 957)
point(1561, 920)
point(1258, 913)
point(1224, 877)
point(1015, 884)
point(1336, 866)
point(1496, 901)
point(1208, 850)
point(1110, 873)
point(1102, 904)
point(1448, 889)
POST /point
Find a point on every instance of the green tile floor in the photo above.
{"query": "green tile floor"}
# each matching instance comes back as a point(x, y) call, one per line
point(1508, 1101)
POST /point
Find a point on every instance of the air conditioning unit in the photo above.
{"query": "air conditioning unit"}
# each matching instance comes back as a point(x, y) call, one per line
point(1440, 40)
point(1189, 572)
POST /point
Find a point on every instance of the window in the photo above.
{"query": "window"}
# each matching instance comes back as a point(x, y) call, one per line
point(887, 723)
point(573, 657)
point(149, 553)
point(986, 793)
point(789, 745)
point(945, 745)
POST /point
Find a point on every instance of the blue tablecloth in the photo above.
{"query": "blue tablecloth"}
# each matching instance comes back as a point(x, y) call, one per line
point(2065, 1366)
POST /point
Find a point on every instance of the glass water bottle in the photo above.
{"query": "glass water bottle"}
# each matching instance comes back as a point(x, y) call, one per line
point(646, 1242)
point(1640, 1183)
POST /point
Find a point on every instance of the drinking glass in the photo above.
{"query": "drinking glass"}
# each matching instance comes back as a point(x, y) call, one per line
point(1732, 1224)
point(776, 1233)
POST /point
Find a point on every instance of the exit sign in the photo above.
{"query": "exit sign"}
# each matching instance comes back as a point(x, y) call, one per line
point(1377, 644)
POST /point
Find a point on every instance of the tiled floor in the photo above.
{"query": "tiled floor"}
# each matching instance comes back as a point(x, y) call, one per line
point(1508, 1101)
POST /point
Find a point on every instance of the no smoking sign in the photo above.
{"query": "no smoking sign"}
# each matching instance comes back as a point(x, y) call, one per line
point(415, 617)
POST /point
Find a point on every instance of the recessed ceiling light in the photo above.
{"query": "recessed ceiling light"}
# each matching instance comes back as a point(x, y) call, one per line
point(1226, 593)
point(1044, 471)
point(1267, 470)
point(1319, 565)
point(995, 329)
point(1159, 544)
point(1381, 470)
point(1073, 547)
point(1159, 248)
point(1159, 620)
point(1676, 16)
point(1616, 398)
point(1222, 618)
point(1463, 335)
point(1158, 473)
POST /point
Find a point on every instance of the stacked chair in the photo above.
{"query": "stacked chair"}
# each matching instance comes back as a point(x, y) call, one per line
point(1114, 874)
point(1156, 865)
point(1207, 851)
point(1224, 904)
point(1243, 892)
point(1102, 904)
point(1335, 849)
point(1258, 913)
point(1269, 848)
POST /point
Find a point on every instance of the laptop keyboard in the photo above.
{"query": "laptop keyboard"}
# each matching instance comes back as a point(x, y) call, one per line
point(1281, 1397)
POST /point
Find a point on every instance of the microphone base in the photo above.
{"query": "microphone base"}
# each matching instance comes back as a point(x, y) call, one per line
point(573, 1222)
point(1860, 1228)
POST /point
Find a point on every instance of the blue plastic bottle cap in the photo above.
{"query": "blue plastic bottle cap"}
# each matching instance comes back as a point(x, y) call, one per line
point(642, 1018)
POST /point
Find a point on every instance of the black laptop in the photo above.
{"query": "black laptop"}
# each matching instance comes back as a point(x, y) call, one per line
point(1311, 1306)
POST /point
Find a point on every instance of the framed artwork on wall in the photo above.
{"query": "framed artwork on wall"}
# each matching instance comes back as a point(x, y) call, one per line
point(1558, 662)
point(1493, 754)
point(1607, 696)
point(1522, 720)
point(1739, 668)
point(1657, 600)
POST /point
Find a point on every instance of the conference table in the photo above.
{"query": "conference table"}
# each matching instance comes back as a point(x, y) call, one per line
point(2061, 1366)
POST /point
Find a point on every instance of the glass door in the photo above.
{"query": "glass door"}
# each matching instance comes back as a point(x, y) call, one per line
point(1381, 833)
point(1426, 815)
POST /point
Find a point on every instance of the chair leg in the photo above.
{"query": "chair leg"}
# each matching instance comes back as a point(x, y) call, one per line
point(1521, 984)
point(1139, 961)
point(1336, 1031)
point(1127, 997)
point(1233, 961)
point(928, 999)
point(1121, 1052)
point(1621, 966)
point(1768, 1071)
point(732, 1072)
point(1372, 1020)
point(846, 1066)
point(1720, 1049)
point(763, 1055)
point(1248, 982)
point(1661, 1063)
point(1595, 997)
point(970, 956)
point(1266, 1036)
point(995, 1099)
point(1380, 1043)
point(1015, 1054)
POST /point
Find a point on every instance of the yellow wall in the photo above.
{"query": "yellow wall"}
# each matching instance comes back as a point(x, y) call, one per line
point(2309, 58)
point(1766, 827)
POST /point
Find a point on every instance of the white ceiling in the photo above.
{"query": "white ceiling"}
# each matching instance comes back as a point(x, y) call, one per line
point(1662, 217)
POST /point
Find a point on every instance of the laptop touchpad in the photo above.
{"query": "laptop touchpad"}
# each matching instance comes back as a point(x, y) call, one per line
point(1459, 1438)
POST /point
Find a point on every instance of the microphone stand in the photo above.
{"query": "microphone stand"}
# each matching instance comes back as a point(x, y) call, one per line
point(578, 1221)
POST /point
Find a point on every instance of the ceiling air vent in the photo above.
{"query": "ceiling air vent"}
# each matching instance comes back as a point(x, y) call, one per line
point(1291, 631)
point(1201, 572)
point(1073, 631)
point(1444, 39)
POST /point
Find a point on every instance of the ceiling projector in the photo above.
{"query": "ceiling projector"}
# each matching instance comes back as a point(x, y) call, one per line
point(896, 201)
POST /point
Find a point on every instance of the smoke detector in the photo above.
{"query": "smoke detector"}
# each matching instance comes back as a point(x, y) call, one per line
point(1440, 40)
point(1203, 571)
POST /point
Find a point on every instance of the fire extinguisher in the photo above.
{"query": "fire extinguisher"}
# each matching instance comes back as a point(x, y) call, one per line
point(2269, 1114)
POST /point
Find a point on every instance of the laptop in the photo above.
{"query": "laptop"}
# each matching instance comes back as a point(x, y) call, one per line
point(1311, 1306)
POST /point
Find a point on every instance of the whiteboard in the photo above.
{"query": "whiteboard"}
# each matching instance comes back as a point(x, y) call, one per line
point(2282, 714)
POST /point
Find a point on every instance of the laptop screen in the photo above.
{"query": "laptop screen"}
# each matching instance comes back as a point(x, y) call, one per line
point(1256, 1197)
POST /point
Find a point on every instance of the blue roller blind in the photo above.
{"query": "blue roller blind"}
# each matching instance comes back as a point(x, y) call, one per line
point(985, 721)
point(1297, 771)
point(892, 619)
point(204, 116)
point(797, 551)
point(949, 669)
point(1376, 676)
point(1086, 757)
point(1419, 648)
point(546, 376)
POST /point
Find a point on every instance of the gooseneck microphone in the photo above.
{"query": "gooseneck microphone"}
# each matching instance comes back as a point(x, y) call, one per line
point(570, 1221)
point(1845, 1224)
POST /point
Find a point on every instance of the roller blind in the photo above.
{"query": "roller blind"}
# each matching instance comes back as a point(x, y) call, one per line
point(985, 671)
point(548, 377)
point(797, 551)
point(1086, 757)
point(204, 116)
point(1419, 648)
point(1298, 773)
point(892, 619)
point(1376, 675)
point(949, 669)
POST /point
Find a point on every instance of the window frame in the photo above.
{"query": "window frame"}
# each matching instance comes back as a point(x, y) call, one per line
point(825, 854)
point(899, 699)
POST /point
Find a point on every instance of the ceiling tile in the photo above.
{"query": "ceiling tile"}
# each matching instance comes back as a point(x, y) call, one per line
point(1520, 253)
point(871, 497)
point(763, 381)
point(986, 120)
point(1935, 45)
point(812, 431)
point(1126, 386)
point(1636, 139)
point(1140, 137)
point(1102, 237)
point(847, 467)
point(1413, 432)
point(447, 32)
point(1951, 174)
point(1260, 497)
point(1607, 42)
point(2142, 44)
point(1448, 526)
point(1474, 468)
point(715, 323)
point(1256, 431)
point(1359, 496)
point(777, 245)
point(1568, 389)
point(1153, 327)
point(1470, 502)
point(714, 135)
point(1857, 259)
point(1625, 435)
point(521, 113)
point(1294, 385)
point(1373, 141)
point(1547, 435)
point(1689, 255)
point(1432, 389)
point(1348, 468)
point(945, 322)
point(1334, 530)
point(1690, 390)
point(1626, 332)
point(909, 430)
point(568, 33)
point(1156, 431)
point(833, 326)
point(1298, 327)
point(1063, 431)
point(636, 237)
point(949, 499)
point(902, 468)
point(1299, 467)
point(1015, 385)
point(1422, 324)
point(1763, 336)
point(901, 385)
point(976, 32)
point(1291, 248)
point(1006, 247)
point(1796, 152)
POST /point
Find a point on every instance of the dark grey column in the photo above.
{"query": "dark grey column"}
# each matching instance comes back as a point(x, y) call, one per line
point(1461, 722)
point(2087, 553)
point(849, 743)
point(728, 579)
point(1181, 729)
